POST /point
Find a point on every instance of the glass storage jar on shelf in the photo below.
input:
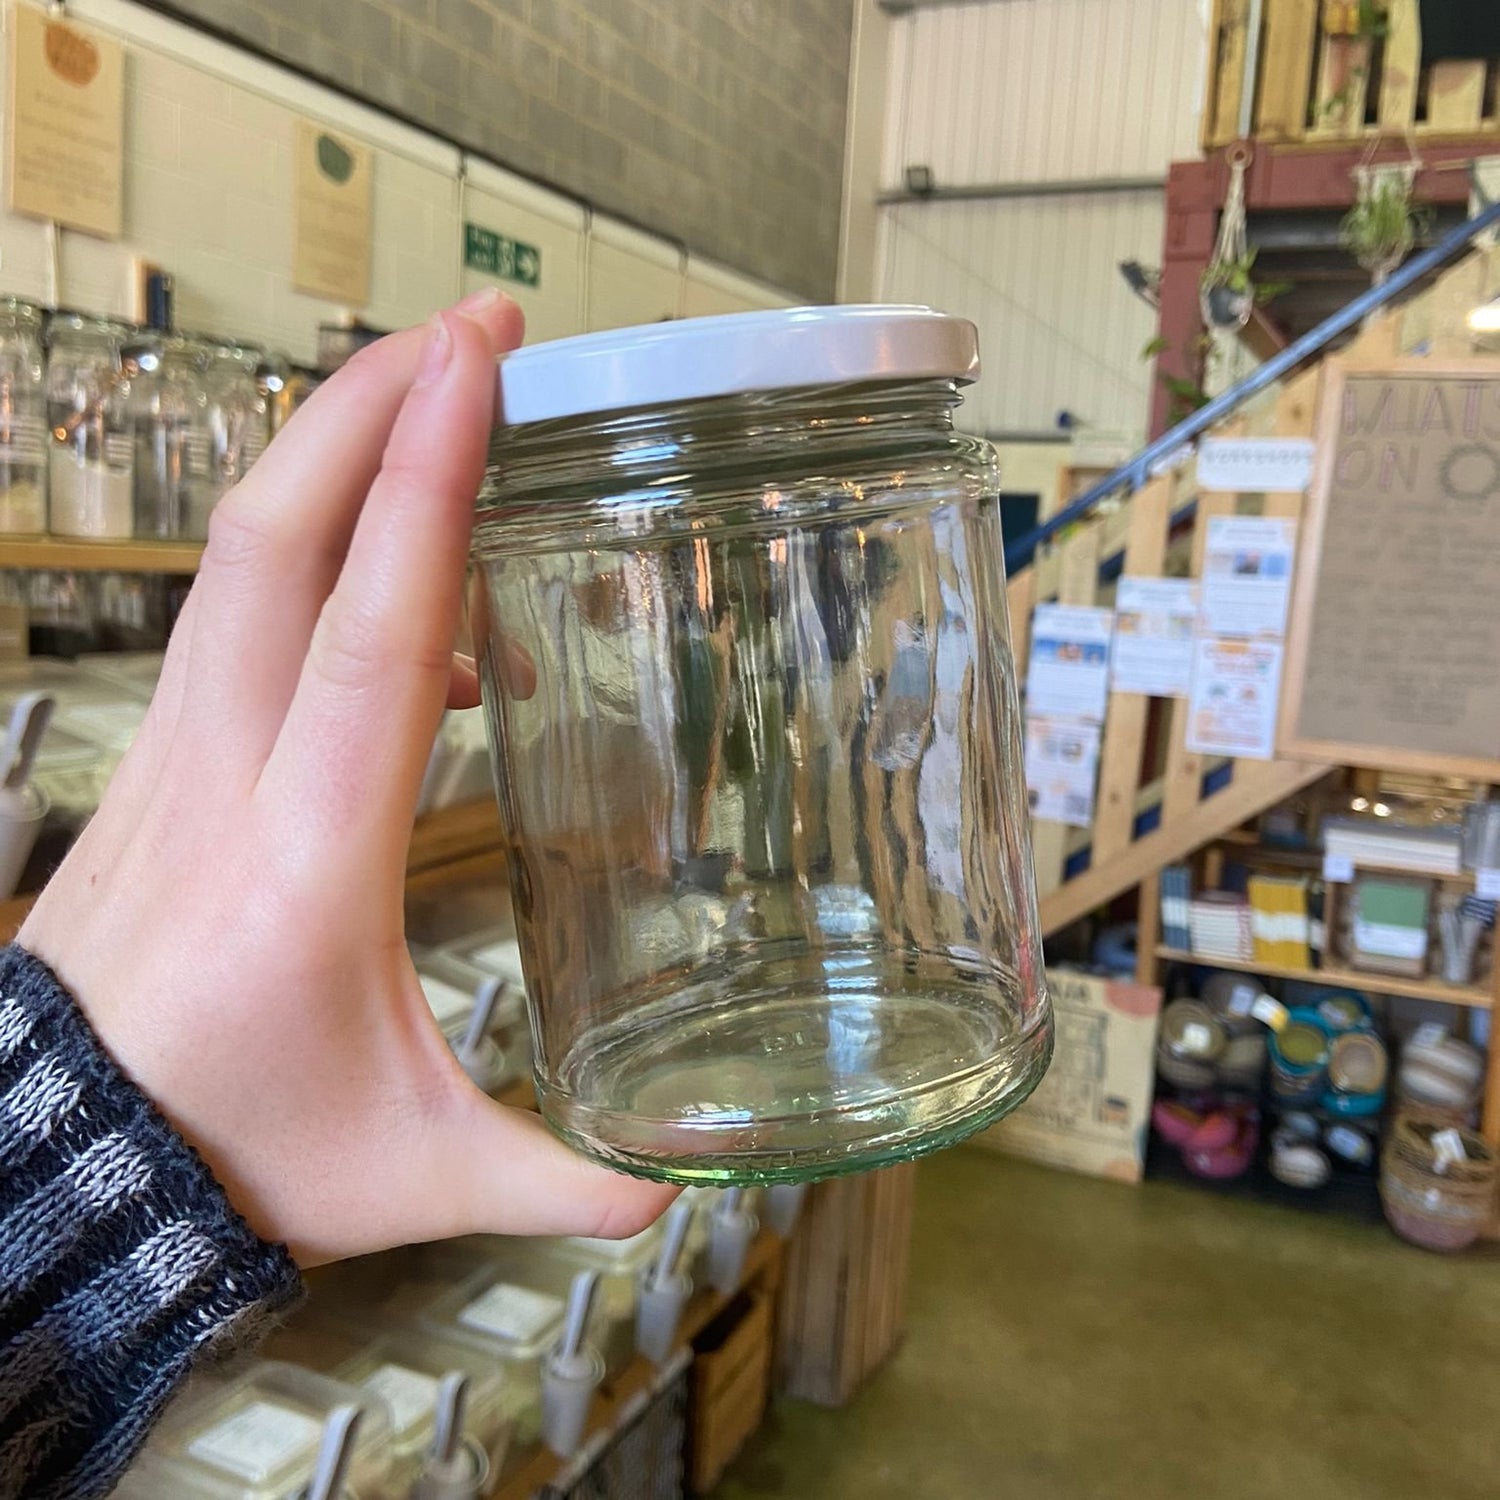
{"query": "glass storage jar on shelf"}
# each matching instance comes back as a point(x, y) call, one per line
point(239, 413)
point(173, 444)
point(23, 420)
point(740, 605)
point(91, 451)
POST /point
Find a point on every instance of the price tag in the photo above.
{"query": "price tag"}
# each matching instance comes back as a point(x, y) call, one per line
point(1487, 885)
point(514, 1313)
point(410, 1395)
point(1449, 1146)
point(1338, 868)
point(1242, 1000)
point(257, 1440)
point(1269, 1012)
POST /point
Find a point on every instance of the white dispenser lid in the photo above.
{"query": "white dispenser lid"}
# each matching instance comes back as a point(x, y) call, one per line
point(693, 358)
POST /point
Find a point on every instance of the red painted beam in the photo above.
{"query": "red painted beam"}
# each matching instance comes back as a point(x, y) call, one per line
point(1284, 178)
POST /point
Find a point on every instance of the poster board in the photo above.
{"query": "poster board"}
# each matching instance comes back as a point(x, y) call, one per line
point(334, 215)
point(1092, 1111)
point(66, 124)
point(1394, 644)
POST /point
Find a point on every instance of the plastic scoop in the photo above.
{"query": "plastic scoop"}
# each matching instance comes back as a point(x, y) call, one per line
point(335, 1453)
point(456, 1467)
point(571, 1372)
point(664, 1290)
point(731, 1227)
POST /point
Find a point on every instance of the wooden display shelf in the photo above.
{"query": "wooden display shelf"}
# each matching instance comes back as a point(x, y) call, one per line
point(541, 1466)
point(456, 841)
point(12, 914)
point(69, 555)
point(1476, 996)
point(1252, 851)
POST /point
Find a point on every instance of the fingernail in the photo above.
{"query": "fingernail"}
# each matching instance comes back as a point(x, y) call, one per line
point(485, 297)
point(438, 352)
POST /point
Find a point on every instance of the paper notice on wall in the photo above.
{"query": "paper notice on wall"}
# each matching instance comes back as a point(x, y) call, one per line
point(1155, 621)
point(334, 216)
point(66, 123)
point(1062, 762)
point(1247, 575)
point(1256, 465)
point(1232, 707)
point(1068, 673)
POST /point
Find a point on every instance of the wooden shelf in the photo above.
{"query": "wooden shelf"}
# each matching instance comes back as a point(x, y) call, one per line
point(1353, 979)
point(1251, 851)
point(69, 555)
point(454, 837)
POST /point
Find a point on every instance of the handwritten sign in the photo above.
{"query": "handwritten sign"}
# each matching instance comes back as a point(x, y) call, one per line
point(1396, 628)
point(66, 124)
point(334, 214)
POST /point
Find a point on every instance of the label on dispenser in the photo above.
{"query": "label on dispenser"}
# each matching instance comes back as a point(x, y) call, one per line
point(411, 1395)
point(257, 1440)
point(1338, 868)
point(119, 450)
point(26, 440)
point(515, 1313)
point(1487, 885)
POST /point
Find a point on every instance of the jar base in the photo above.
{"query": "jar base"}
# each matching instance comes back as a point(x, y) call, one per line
point(860, 1065)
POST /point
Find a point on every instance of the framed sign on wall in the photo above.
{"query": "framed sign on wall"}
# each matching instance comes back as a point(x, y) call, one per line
point(1393, 651)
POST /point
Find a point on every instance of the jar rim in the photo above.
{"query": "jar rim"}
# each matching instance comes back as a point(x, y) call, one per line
point(730, 354)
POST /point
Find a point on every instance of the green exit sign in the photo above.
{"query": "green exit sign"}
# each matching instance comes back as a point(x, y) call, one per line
point(497, 254)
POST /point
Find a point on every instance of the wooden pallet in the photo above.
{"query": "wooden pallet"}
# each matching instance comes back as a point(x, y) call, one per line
point(1317, 82)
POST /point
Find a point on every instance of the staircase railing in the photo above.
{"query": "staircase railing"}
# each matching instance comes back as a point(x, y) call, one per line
point(1135, 471)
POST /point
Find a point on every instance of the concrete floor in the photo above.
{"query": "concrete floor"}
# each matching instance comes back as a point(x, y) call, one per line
point(1068, 1338)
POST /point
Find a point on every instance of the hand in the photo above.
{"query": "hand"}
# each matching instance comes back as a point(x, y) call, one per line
point(231, 921)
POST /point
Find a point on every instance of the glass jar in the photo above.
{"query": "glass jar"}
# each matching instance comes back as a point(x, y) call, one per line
point(173, 439)
point(763, 802)
point(239, 414)
point(23, 420)
point(91, 459)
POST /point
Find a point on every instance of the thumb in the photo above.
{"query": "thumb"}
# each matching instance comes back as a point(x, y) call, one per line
point(490, 1169)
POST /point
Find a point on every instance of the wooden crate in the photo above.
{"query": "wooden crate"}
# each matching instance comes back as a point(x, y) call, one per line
point(843, 1301)
point(730, 1386)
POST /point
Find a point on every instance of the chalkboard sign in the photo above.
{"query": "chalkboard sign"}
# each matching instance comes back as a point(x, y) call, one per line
point(1393, 655)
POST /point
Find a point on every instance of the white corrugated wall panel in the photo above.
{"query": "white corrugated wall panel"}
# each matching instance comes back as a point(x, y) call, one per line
point(1039, 277)
point(1032, 90)
point(1019, 91)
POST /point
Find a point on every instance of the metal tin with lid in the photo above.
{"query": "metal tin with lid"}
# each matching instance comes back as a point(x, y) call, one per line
point(739, 599)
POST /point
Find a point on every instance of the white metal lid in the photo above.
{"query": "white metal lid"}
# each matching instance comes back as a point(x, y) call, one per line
point(694, 358)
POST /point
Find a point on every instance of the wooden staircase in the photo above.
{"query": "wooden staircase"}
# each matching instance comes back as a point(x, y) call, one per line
point(1157, 801)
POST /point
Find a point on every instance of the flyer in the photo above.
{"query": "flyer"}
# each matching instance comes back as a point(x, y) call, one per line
point(1247, 575)
point(1069, 669)
point(1155, 621)
point(1062, 762)
point(1232, 708)
point(1256, 465)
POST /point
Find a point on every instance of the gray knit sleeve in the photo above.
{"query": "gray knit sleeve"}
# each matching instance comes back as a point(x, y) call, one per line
point(122, 1263)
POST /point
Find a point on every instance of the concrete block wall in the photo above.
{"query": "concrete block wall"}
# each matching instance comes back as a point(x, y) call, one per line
point(209, 191)
point(719, 123)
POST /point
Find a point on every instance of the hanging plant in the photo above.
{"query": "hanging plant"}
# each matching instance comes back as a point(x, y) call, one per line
point(1381, 228)
point(1226, 294)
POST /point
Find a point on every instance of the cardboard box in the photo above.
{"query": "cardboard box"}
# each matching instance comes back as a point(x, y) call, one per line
point(1092, 1111)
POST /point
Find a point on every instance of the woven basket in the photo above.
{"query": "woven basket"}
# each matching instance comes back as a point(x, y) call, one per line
point(1445, 1210)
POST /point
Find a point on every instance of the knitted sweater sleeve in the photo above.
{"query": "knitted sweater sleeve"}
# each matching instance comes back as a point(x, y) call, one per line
point(122, 1264)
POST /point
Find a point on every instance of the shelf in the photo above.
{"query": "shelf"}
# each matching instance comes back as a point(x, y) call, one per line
point(453, 837)
point(1251, 852)
point(1352, 979)
point(69, 555)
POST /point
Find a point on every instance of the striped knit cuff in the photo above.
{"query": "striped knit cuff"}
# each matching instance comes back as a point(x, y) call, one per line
point(122, 1263)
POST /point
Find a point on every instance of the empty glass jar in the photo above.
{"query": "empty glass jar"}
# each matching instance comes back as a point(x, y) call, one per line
point(23, 419)
point(173, 439)
point(740, 602)
point(91, 451)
